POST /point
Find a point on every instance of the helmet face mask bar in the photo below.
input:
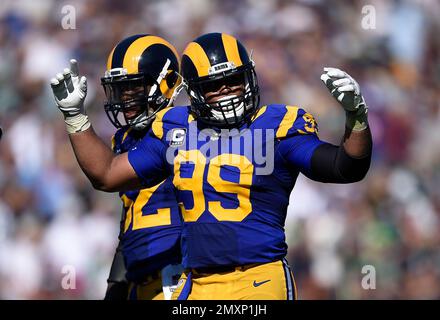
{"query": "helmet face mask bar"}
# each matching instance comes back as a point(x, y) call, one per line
point(220, 80)
point(142, 78)
point(132, 100)
point(231, 110)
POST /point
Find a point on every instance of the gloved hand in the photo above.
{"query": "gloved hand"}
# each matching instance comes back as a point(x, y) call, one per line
point(347, 92)
point(70, 91)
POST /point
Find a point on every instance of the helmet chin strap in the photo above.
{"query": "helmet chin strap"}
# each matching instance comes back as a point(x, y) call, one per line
point(141, 122)
point(176, 92)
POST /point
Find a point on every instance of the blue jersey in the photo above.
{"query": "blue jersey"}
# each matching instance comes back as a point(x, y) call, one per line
point(234, 205)
point(152, 226)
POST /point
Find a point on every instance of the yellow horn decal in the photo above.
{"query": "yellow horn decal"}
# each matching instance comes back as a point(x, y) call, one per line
point(109, 60)
point(167, 91)
point(134, 51)
point(231, 49)
point(198, 57)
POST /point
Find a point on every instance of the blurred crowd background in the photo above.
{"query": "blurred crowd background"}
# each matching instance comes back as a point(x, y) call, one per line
point(50, 217)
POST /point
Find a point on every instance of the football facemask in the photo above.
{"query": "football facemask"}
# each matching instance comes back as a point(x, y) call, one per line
point(225, 99)
point(132, 100)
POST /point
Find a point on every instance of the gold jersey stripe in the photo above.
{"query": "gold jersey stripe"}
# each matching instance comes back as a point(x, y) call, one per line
point(190, 118)
point(126, 134)
point(287, 122)
point(259, 113)
point(113, 142)
point(157, 125)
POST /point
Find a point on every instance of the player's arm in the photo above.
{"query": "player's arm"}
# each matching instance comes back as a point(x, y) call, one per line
point(322, 161)
point(350, 160)
point(357, 140)
point(331, 163)
point(325, 162)
point(105, 170)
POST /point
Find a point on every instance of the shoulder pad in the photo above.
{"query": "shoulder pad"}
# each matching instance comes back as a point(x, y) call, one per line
point(119, 137)
point(170, 118)
point(289, 120)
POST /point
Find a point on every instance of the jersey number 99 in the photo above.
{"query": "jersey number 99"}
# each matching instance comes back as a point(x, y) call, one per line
point(195, 184)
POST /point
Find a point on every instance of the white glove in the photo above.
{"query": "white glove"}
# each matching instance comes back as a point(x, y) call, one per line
point(70, 91)
point(347, 91)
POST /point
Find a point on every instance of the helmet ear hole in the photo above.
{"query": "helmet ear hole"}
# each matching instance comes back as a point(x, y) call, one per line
point(171, 79)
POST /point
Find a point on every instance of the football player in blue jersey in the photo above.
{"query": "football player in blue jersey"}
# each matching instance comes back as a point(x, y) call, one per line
point(142, 78)
point(233, 164)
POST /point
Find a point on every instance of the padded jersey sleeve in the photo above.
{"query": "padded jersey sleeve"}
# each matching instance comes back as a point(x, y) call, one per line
point(303, 151)
point(152, 158)
point(298, 139)
point(148, 159)
point(297, 151)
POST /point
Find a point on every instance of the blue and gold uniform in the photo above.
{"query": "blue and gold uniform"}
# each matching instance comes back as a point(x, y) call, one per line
point(151, 228)
point(141, 79)
point(233, 209)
